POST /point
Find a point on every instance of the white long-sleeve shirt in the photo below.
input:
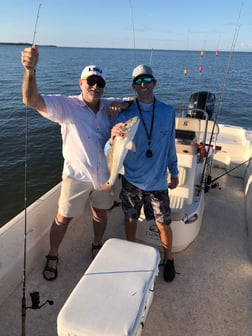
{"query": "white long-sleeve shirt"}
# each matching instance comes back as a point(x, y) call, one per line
point(84, 134)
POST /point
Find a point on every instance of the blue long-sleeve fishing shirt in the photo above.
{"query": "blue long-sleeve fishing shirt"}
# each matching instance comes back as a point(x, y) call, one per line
point(150, 173)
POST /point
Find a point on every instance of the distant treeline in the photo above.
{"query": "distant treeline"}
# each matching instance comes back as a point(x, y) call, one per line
point(22, 43)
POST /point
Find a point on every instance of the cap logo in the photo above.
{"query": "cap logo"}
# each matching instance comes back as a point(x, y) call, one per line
point(95, 69)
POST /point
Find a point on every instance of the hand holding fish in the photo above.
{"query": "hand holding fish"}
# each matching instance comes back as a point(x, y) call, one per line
point(122, 135)
point(29, 58)
point(117, 130)
point(116, 106)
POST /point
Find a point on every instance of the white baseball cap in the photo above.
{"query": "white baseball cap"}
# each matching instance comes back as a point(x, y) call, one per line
point(92, 70)
point(142, 69)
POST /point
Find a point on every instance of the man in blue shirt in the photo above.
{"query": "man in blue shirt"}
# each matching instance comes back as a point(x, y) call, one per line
point(145, 179)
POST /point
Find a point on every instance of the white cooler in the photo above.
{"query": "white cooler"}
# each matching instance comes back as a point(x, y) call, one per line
point(114, 295)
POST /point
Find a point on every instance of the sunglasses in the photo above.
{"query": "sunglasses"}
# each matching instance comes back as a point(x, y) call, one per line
point(146, 80)
point(92, 80)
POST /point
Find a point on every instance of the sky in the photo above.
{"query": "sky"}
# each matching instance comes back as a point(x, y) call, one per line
point(134, 24)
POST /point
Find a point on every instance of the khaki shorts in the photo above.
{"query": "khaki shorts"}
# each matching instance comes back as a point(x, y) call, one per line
point(75, 195)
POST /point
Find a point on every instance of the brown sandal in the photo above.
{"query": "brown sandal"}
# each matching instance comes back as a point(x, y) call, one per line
point(50, 269)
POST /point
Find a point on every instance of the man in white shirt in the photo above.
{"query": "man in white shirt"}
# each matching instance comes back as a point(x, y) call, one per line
point(85, 127)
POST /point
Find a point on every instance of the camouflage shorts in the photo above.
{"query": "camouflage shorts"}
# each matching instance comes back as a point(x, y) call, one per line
point(156, 203)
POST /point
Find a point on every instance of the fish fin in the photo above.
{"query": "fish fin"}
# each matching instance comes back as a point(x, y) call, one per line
point(131, 146)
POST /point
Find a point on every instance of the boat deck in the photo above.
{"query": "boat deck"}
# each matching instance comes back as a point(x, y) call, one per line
point(211, 294)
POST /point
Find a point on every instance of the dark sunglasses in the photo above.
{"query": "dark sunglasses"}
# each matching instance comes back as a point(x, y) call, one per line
point(146, 80)
point(92, 80)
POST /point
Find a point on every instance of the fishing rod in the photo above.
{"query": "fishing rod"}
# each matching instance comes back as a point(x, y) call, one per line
point(133, 29)
point(235, 37)
point(23, 305)
point(212, 182)
point(35, 295)
point(36, 23)
point(134, 34)
point(151, 54)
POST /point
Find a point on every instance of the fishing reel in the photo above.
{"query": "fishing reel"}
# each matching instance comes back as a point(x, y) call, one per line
point(35, 298)
point(209, 183)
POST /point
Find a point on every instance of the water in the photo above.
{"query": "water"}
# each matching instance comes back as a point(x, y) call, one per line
point(58, 72)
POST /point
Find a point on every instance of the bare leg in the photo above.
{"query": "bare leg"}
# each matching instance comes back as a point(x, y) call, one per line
point(99, 224)
point(130, 229)
point(166, 240)
point(57, 233)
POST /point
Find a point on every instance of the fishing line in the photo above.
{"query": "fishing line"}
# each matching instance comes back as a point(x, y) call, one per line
point(233, 45)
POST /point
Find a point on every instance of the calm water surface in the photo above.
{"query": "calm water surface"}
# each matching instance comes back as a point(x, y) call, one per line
point(58, 72)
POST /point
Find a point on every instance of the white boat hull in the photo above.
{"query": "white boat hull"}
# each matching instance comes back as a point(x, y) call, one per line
point(39, 217)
